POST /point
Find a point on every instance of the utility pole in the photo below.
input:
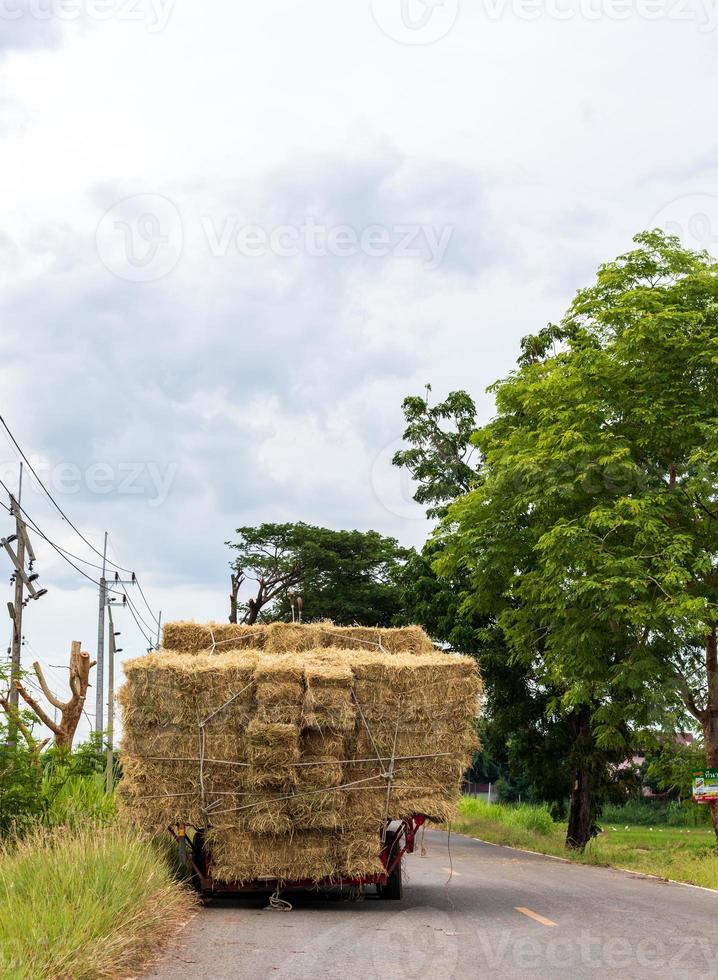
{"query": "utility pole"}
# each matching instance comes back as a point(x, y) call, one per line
point(159, 631)
point(18, 604)
point(113, 649)
point(100, 676)
point(22, 581)
point(105, 603)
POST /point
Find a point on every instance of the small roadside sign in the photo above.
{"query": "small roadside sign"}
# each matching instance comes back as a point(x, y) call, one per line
point(705, 786)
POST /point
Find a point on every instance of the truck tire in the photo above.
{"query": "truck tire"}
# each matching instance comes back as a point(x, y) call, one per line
point(393, 890)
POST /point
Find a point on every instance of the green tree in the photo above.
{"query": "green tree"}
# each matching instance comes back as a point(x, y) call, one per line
point(350, 577)
point(533, 745)
point(440, 456)
point(593, 533)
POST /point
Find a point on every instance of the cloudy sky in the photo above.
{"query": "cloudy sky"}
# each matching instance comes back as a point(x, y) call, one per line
point(234, 236)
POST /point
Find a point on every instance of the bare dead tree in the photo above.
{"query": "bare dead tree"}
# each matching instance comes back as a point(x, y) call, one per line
point(237, 581)
point(70, 711)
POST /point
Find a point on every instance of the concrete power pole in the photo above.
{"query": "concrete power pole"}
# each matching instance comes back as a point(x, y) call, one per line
point(113, 649)
point(100, 675)
point(19, 599)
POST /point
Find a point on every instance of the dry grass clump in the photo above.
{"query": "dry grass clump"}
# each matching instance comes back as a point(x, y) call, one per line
point(297, 728)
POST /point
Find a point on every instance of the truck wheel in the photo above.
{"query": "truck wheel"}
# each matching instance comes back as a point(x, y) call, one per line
point(393, 890)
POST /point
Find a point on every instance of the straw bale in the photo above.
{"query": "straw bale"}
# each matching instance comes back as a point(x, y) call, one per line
point(318, 773)
point(357, 854)
point(191, 637)
point(318, 810)
point(292, 787)
point(319, 744)
point(269, 815)
point(279, 691)
point(328, 703)
point(242, 857)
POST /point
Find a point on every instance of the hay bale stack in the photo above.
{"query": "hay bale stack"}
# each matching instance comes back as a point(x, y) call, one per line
point(191, 637)
point(282, 755)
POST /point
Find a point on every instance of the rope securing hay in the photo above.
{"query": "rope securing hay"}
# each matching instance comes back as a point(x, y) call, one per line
point(292, 746)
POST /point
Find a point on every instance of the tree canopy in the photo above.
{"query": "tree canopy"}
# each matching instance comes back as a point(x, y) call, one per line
point(592, 534)
point(350, 577)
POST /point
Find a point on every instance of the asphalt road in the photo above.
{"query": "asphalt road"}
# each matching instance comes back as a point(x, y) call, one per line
point(503, 914)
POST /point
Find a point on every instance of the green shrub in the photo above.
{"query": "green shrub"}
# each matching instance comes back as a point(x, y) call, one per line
point(21, 800)
point(531, 817)
point(647, 813)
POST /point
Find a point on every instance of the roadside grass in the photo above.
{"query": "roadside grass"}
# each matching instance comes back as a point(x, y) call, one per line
point(683, 853)
point(86, 903)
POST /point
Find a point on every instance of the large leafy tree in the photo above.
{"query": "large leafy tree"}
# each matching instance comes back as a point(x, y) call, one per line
point(350, 577)
point(593, 534)
point(532, 743)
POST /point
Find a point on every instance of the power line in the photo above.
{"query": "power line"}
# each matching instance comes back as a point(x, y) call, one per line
point(52, 499)
point(132, 613)
point(146, 602)
point(137, 618)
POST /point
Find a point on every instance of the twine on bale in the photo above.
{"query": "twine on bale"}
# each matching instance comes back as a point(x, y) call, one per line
point(295, 750)
point(202, 746)
point(371, 737)
point(389, 781)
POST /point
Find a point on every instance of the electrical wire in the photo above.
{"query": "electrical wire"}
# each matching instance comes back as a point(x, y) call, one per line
point(146, 602)
point(132, 613)
point(64, 553)
point(54, 502)
point(139, 615)
point(52, 544)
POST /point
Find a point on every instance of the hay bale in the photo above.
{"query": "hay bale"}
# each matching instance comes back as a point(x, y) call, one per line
point(191, 637)
point(288, 726)
point(279, 688)
point(241, 857)
point(328, 703)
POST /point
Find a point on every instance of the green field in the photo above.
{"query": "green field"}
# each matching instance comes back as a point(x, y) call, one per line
point(682, 853)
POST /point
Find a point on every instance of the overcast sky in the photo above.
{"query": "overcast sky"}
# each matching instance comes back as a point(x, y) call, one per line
point(234, 236)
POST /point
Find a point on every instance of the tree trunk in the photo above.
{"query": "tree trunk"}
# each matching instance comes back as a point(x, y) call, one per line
point(234, 597)
point(252, 612)
point(580, 818)
point(70, 711)
point(710, 724)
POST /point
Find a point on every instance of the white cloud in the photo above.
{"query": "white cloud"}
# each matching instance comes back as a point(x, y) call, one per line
point(271, 387)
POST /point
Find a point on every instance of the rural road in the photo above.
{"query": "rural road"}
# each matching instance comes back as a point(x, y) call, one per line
point(504, 914)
